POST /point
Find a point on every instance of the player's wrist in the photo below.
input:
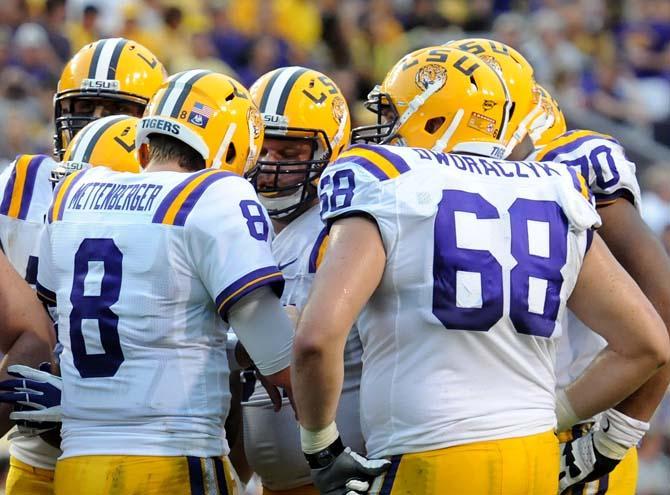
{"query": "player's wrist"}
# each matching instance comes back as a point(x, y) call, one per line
point(313, 441)
point(325, 457)
point(617, 433)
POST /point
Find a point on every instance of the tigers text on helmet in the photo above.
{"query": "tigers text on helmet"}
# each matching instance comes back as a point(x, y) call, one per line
point(106, 142)
point(443, 99)
point(111, 72)
point(551, 123)
point(518, 76)
point(210, 112)
point(300, 107)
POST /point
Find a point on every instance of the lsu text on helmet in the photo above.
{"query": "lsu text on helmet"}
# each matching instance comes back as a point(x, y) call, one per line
point(302, 110)
point(443, 99)
point(210, 112)
point(116, 74)
point(106, 142)
point(517, 73)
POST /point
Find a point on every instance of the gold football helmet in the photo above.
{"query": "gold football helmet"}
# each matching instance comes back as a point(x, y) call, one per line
point(443, 99)
point(551, 123)
point(106, 142)
point(210, 112)
point(119, 74)
point(303, 107)
point(519, 79)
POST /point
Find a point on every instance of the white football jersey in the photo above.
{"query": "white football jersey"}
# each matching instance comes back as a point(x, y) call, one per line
point(459, 338)
point(272, 440)
point(610, 175)
point(26, 195)
point(141, 267)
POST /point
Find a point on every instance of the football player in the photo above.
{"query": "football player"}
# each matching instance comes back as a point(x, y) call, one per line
point(104, 78)
point(462, 266)
point(611, 177)
point(148, 270)
point(101, 143)
point(307, 126)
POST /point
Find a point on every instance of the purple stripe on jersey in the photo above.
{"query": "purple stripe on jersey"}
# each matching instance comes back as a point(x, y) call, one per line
point(45, 294)
point(172, 195)
point(269, 275)
point(398, 162)
point(571, 146)
point(220, 476)
point(195, 476)
point(603, 485)
point(7, 198)
point(194, 196)
point(367, 165)
point(577, 183)
point(77, 178)
point(389, 478)
point(29, 185)
point(589, 240)
point(314, 255)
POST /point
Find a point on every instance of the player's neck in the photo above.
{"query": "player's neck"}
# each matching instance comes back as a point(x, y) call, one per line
point(166, 166)
point(522, 150)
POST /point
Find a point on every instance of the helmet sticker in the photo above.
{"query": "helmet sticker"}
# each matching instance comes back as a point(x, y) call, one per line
point(255, 121)
point(482, 123)
point(339, 109)
point(431, 74)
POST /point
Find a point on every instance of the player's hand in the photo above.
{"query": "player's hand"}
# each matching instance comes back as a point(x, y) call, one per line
point(337, 470)
point(582, 462)
point(36, 395)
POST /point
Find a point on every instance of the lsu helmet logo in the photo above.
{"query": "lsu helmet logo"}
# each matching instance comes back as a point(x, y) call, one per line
point(255, 121)
point(431, 74)
point(339, 109)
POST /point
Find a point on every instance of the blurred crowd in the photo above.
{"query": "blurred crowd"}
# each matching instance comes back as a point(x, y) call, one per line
point(609, 57)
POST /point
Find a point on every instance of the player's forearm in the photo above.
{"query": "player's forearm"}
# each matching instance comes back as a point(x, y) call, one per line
point(609, 379)
point(607, 300)
point(317, 376)
point(649, 266)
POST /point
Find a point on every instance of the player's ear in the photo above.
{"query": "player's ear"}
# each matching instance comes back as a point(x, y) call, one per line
point(143, 155)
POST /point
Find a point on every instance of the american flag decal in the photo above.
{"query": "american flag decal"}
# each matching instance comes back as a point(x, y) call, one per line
point(200, 114)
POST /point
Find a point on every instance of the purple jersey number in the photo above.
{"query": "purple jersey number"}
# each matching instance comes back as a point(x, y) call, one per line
point(96, 307)
point(449, 259)
point(256, 221)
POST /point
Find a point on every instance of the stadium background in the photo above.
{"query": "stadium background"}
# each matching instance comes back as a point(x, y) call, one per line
point(607, 63)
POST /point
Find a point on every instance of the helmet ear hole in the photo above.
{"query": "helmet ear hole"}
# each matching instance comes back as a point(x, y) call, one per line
point(231, 154)
point(434, 124)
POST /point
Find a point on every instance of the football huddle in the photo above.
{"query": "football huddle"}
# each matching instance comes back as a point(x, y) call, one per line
point(209, 284)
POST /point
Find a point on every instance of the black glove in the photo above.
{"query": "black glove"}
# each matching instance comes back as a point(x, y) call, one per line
point(339, 471)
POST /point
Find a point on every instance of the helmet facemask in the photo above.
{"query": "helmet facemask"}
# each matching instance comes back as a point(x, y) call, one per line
point(69, 122)
point(380, 104)
point(287, 186)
